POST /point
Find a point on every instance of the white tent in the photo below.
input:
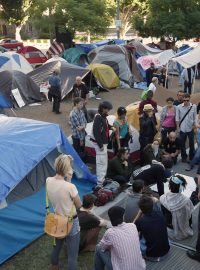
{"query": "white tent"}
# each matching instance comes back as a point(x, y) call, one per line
point(189, 59)
point(13, 61)
point(159, 59)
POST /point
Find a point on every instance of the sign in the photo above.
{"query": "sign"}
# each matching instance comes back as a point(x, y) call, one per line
point(18, 98)
point(118, 23)
point(44, 87)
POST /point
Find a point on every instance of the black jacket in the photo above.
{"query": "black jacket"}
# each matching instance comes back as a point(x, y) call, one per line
point(99, 130)
point(147, 126)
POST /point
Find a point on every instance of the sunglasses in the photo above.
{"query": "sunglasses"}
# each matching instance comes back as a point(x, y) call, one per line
point(186, 100)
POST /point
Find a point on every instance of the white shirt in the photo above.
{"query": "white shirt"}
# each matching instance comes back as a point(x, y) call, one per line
point(189, 121)
point(61, 194)
point(152, 87)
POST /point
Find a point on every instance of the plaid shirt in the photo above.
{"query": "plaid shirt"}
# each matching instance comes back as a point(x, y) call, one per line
point(77, 118)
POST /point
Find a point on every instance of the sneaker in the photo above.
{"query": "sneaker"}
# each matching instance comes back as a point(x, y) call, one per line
point(195, 255)
point(189, 169)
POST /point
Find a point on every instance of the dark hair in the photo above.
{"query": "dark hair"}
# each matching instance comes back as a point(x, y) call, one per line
point(181, 91)
point(175, 188)
point(122, 151)
point(146, 204)
point(77, 100)
point(116, 215)
point(167, 162)
point(121, 111)
point(88, 200)
point(170, 99)
point(187, 95)
point(137, 185)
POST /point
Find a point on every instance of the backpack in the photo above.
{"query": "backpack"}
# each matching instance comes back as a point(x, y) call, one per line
point(113, 186)
point(102, 196)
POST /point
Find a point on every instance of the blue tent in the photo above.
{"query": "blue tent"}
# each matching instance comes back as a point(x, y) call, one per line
point(28, 150)
point(86, 47)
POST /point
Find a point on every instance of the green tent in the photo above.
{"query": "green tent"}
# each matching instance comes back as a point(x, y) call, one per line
point(75, 56)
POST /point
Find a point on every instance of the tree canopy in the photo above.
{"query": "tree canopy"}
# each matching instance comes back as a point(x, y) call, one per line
point(174, 19)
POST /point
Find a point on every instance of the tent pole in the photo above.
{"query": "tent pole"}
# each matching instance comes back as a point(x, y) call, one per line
point(13, 112)
point(166, 74)
point(195, 72)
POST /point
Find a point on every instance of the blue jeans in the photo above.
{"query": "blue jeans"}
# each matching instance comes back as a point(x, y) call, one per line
point(102, 259)
point(72, 241)
point(196, 157)
point(183, 137)
point(198, 137)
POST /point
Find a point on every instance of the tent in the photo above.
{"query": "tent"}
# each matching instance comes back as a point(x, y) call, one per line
point(14, 61)
point(29, 149)
point(33, 55)
point(105, 75)
point(68, 74)
point(75, 56)
point(117, 57)
point(28, 90)
point(86, 47)
point(159, 59)
point(189, 59)
point(142, 49)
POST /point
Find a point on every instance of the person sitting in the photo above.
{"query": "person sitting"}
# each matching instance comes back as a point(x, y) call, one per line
point(89, 223)
point(153, 231)
point(120, 247)
point(147, 126)
point(171, 147)
point(177, 209)
point(152, 152)
point(122, 132)
point(155, 173)
point(119, 168)
point(132, 199)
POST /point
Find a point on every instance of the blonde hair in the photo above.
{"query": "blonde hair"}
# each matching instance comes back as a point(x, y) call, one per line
point(63, 164)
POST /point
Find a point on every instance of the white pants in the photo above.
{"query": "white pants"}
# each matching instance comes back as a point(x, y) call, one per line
point(101, 163)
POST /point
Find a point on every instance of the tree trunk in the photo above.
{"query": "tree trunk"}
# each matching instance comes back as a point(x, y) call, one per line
point(17, 32)
point(88, 37)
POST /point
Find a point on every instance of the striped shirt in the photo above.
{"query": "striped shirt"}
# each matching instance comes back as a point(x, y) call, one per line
point(123, 242)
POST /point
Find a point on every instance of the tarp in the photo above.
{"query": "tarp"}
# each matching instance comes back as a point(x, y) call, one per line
point(14, 61)
point(28, 90)
point(105, 75)
point(86, 47)
point(68, 74)
point(159, 59)
point(29, 148)
point(75, 56)
point(117, 57)
point(190, 59)
point(142, 49)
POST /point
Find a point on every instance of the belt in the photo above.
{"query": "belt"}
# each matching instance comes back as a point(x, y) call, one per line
point(75, 216)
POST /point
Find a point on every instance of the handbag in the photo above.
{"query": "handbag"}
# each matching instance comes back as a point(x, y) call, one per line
point(56, 225)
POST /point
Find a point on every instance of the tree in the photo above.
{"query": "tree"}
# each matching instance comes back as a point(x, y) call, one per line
point(128, 9)
point(15, 13)
point(91, 16)
point(174, 19)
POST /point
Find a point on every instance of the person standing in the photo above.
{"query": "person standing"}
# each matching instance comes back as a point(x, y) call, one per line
point(185, 121)
point(78, 124)
point(149, 74)
point(100, 136)
point(188, 77)
point(80, 90)
point(119, 248)
point(153, 84)
point(195, 255)
point(64, 198)
point(179, 100)
point(147, 126)
point(168, 119)
point(149, 100)
point(55, 91)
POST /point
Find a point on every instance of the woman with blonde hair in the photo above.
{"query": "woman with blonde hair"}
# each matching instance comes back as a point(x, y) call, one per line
point(64, 198)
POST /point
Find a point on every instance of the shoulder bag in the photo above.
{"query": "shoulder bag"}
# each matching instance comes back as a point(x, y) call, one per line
point(185, 116)
point(56, 225)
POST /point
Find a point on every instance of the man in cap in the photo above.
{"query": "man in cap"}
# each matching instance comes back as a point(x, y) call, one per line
point(55, 91)
point(147, 126)
point(119, 248)
point(100, 136)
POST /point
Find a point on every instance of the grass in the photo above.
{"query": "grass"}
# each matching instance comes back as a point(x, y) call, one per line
point(37, 257)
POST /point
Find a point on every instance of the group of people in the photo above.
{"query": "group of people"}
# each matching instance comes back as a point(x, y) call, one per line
point(139, 230)
point(142, 227)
